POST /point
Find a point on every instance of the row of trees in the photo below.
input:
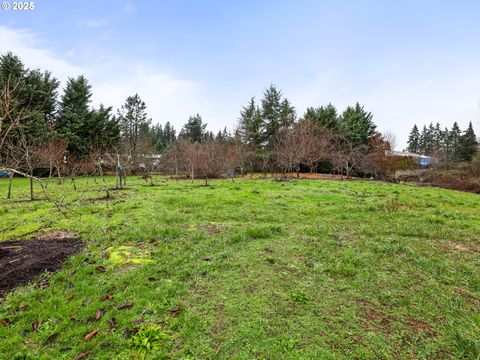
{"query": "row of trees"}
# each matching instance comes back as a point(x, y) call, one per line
point(259, 125)
point(56, 132)
point(66, 135)
point(448, 145)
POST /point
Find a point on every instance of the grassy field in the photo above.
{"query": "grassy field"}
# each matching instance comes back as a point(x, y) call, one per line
point(251, 269)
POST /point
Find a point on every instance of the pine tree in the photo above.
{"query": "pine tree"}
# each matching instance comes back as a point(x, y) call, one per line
point(468, 144)
point(287, 114)
point(447, 145)
point(430, 140)
point(74, 115)
point(158, 138)
point(250, 126)
point(271, 113)
point(35, 93)
point(356, 125)
point(414, 140)
point(324, 116)
point(437, 140)
point(454, 140)
point(223, 136)
point(195, 129)
point(134, 122)
point(103, 131)
point(169, 133)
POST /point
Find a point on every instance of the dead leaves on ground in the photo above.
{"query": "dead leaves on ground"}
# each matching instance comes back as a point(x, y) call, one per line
point(106, 297)
point(36, 324)
point(82, 355)
point(113, 323)
point(52, 338)
point(98, 316)
point(91, 334)
point(127, 305)
point(175, 312)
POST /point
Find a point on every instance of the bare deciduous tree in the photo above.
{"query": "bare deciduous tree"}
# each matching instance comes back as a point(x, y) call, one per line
point(209, 159)
point(52, 155)
point(347, 157)
point(28, 148)
point(13, 159)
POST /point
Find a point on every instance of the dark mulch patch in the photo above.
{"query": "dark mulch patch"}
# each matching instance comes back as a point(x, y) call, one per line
point(21, 261)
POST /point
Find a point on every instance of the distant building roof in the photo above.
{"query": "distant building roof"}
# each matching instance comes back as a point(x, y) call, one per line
point(408, 154)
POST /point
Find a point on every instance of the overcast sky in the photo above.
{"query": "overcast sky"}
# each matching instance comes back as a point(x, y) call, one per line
point(406, 61)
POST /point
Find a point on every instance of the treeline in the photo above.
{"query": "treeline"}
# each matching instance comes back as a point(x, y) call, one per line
point(270, 137)
point(60, 131)
point(451, 145)
point(65, 134)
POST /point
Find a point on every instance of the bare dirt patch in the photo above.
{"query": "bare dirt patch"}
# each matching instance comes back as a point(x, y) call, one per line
point(21, 261)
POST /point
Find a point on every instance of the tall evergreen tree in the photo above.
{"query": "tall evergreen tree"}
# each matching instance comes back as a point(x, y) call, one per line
point(323, 116)
point(468, 144)
point(35, 94)
point(454, 141)
point(438, 140)
point(195, 129)
point(81, 126)
point(287, 114)
point(223, 136)
point(103, 130)
point(169, 133)
point(414, 140)
point(134, 122)
point(74, 116)
point(446, 145)
point(357, 126)
point(158, 138)
point(272, 114)
point(250, 126)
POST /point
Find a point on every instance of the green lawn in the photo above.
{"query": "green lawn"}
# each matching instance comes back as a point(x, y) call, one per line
point(253, 269)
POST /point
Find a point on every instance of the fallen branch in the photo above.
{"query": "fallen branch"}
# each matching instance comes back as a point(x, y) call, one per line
point(10, 247)
point(62, 208)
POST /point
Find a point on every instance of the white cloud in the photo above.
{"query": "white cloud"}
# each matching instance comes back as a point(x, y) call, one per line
point(398, 99)
point(167, 97)
point(34, 54)
point(397, 95)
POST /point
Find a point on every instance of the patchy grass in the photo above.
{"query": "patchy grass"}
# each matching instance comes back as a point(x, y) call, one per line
point(250, 269)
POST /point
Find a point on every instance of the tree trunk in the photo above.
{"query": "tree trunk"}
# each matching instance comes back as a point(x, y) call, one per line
point(10, 179)
point(31, 186)
point(206, 181)
point(74, 185)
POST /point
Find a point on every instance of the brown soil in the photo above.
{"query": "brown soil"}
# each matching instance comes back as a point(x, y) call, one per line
point(21, 261)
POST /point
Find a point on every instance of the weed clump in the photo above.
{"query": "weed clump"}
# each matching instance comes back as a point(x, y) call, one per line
point(152, 338)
